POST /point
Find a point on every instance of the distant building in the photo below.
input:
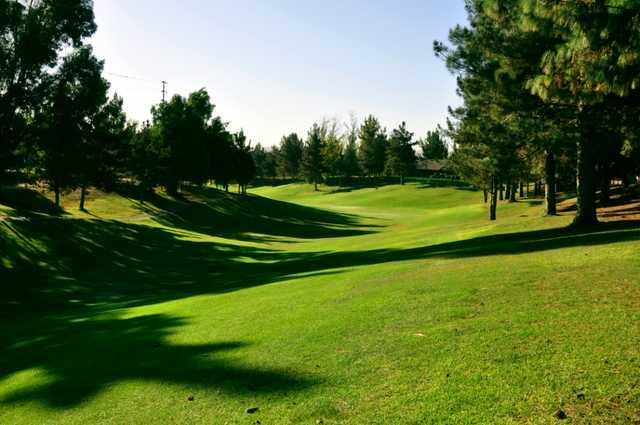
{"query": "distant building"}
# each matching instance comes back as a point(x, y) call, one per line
point(429, 167)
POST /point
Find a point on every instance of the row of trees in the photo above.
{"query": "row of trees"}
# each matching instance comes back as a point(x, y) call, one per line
point(334, 150)
point(58, 125)
point(551, 90)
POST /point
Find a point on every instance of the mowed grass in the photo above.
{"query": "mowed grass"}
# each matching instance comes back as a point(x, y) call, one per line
point(395, 305)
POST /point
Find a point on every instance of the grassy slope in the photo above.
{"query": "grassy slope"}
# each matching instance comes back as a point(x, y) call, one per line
point(376, 306)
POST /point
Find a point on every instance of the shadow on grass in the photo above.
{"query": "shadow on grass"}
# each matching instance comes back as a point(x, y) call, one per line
point(350, 185)
point(80, 358)
point(63, 279)
point(249, 217)
point(28, 201)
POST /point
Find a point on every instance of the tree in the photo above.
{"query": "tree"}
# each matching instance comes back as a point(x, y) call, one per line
point(77, 93)
point(261, 158)
point(592, 67)
point(291, 148)
point(350, 165)
point(219, 150)
point(312, 158)
point(373, 144)
point(494, 58)
point(148, 159)
point(32, 34)
point(183, 125)
point(332, 149)
point(105, 148)
point(401, 157)
point(433, 146)
point(244, 167)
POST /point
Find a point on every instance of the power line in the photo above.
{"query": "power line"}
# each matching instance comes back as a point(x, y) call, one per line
point(129, 77)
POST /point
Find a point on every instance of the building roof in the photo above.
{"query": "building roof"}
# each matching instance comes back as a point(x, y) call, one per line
point(432, 164)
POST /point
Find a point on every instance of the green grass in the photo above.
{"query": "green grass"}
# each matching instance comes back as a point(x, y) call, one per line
point(357, 306)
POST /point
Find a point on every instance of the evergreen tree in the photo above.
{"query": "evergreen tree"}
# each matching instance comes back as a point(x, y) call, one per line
point(350, 164)
point(32, 35)
point(433, 146)
point(401, 157)
point(244, 167)
point(67, 141)
point(332, 149)
point(373, 144)
point(312, 158)
point(183, 124)
point(149, 158)
point(291, 148)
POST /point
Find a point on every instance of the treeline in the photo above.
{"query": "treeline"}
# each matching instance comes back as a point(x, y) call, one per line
point(551, 94)
point(58, 125)
point(344, 150)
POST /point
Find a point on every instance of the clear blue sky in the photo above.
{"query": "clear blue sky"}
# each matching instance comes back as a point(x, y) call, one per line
point(275, 67)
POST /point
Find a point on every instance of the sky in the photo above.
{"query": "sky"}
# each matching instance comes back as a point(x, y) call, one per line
point(276, 67)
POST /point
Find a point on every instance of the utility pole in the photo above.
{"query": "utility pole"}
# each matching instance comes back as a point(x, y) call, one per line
point(164, 90)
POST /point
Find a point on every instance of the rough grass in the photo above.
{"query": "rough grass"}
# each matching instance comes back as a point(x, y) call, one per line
point(347, 306)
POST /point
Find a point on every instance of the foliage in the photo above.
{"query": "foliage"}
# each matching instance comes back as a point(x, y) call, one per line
point(433, 146)
point(291, 149)
point(373, 145)
point(400, 156)
point(312, 164)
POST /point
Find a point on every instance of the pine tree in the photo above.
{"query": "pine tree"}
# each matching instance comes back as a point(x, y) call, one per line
point(373, 144)
point(312, 166)
point(401, 157)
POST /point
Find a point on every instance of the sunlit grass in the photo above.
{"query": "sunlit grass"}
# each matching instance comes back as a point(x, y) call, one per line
point(372, 306)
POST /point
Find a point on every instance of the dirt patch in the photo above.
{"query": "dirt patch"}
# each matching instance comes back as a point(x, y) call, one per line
point(623, 206)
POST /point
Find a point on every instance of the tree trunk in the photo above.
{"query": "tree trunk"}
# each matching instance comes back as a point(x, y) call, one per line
point(604, 187)
point(512, 193)
point(315, 186)
point(501, 192)
point(494, 199)
point(507, 194)
point(521, 190)
point(402, 180)
point(550, 183)
point(586, 214)
point(83, 193)
point(486, 195)
point(56, 189)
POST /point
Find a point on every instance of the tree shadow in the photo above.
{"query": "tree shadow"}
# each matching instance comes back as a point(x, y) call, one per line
point(81, 357)
point(249, 218)
point(27, 201)
point(75, 273)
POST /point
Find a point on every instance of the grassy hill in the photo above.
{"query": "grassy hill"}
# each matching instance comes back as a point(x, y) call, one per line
point(347, 306)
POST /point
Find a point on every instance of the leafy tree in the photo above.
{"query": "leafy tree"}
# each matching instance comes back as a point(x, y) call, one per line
point(332, 149)
point(373, 144)
point(291, 149)
point(67, 139)
point(401, 157)
point(433, 146)
point(312, 166)
point(244, 167)
point(219, 151)
point(261, 160)
point(149, 158)
point(112, 133)
point(184, 124)
point(32, 34)
point(350, 165)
